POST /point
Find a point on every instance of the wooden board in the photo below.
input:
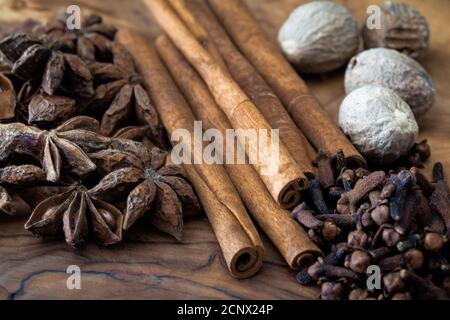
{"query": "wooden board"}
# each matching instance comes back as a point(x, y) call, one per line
point(149, 265)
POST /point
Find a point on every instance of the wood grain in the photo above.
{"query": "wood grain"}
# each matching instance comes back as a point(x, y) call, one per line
point(149, 265)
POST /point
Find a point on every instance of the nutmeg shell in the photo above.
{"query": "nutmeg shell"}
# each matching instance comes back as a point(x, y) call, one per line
point(401, 27)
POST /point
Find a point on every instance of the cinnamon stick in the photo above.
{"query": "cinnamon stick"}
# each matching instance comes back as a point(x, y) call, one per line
point(240, 243)
point(303, 107)
point(281, 175)
point(199, 17)
point(199, 32)
point(287, 235)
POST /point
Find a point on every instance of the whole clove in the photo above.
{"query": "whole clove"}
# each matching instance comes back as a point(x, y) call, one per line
point(344, 221)
point(315, 192)
point(390, 237)
point(388, 190)
point(433, 242)
point(359, 261)
point(440, 199)
point(395, 220)
point(306, 217)
point(403, 182)
point(332, 290)
point(393, 282)
point(347, 177)
point(330, 231)
point(414, 258)
point(380, 214)
point(380, 253)
point(424, 287)
point(358, 294)
point(408, 214)
point(357, 239)
point(348, 201)
point(318, 270)
point(390, 263)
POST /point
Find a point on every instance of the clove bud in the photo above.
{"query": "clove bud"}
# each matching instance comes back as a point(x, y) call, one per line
point(380, 214)
point(332, 290)
point(330, 231)
point(403, 182)
point(357, 239)
point(348, 201)
point(433, 242)
point(315, 192)
point(393, 282)
point(359, 261)
point(306, 217)
point(358, 294)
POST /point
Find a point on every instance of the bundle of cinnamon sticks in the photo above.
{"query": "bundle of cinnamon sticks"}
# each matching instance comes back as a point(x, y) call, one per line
point(218, 76)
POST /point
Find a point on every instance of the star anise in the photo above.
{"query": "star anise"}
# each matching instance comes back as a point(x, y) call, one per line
point(52, 148)
point(158, 189)
point(14, 176)
point(140, 134)
point(76, 214)
point(120, 90)
point(91, 42)
point(7, 99)
point(61, 77)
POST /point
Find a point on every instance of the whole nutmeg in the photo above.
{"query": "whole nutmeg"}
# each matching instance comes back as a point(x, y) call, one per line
point(396, 71)
point(379, 123)
point(319, 36)
point(401, 27)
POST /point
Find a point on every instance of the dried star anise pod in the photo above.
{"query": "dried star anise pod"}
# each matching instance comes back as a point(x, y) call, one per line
point(76, 214)
point(140, 134)
point(159, 189)
point(14, 176)
point(91, 42)
point(7, 99)
point(120, 89)
point(53, 148)
point(63, 77)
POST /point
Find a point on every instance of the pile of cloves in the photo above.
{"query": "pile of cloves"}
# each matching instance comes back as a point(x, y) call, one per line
point(394, 222)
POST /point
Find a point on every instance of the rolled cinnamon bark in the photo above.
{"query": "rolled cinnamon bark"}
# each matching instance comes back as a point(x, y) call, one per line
point(199, 32)
point(240, 243)
point(199, 17)
point(281, 175)
point(303, 107)
point(290, 239)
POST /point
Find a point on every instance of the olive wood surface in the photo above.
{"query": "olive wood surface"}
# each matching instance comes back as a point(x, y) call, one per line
point(150, 265)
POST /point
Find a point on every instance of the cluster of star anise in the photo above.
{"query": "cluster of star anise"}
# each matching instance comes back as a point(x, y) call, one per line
point(52, 73)
point(81, 145)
